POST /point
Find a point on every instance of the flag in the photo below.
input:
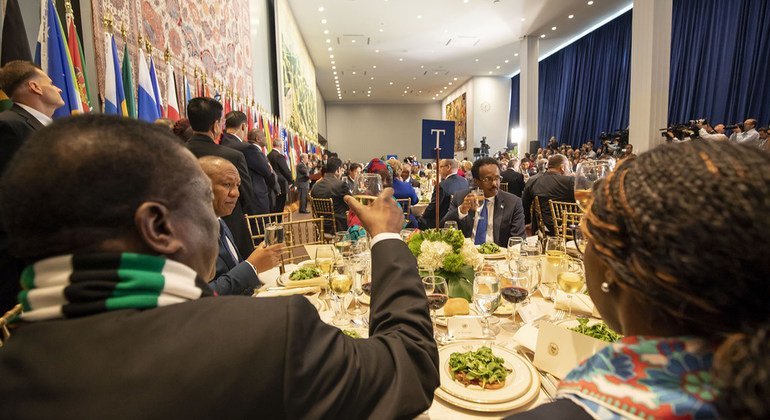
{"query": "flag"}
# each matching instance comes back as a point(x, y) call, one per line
point(249, 118)
point(114, 96)
point(76, 52)
point(172, 107)
point(155, 89)
point(15, 45)
point(187, 91)
point(54, 58)
point(147, 108)
point(128, 83)
point(228, 103)
point(268, 139)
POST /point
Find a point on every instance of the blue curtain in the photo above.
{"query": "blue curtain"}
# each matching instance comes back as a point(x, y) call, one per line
point(584, 88)
point(720, 61)
point(513, 120)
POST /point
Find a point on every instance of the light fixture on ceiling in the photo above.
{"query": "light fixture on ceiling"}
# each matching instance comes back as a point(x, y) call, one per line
point(326, 32)
point(570, 16)
point(516, 54)
point(414, 78)
point(390, 83)
point(374, 67)
point(553, 28)
point(323, 21)
point(336, 77)
point(334, 67)
point(419, 91)
point(523, 19)
point(368, 95)
point(444, 88)
point(498, 67)
point(419, 16)
point(330, 49)
point(334, 72)
point(404, 91)
point(590, 3)
point(376, 51)
point(328, 41)
point(382, 30)
point(454, 78)
point(321, 9)
point(465, 1)
point(506, 61)
point(371, 78)
point(400, 59)
point(450, 83)
point(331, 55)
point(334, 62)
point(422, 67)
point(542, 36)
point(354, 72)
point(490, 72)
point(354, 91)
point(477, 60)
point(353, 41)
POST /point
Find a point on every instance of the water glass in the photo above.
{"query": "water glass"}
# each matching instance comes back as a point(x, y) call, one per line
point(274, 234)
point(450, 224)
point(486, 294)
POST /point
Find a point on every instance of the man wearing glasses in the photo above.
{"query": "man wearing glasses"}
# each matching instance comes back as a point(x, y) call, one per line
point(498, 218)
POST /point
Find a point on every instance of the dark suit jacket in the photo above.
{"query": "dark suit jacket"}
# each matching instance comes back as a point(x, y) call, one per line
point(303, 175)
point(549, 186)
point(201, 145)
point(259, 170)
point(451, 185)
point(515, 181)
point(331, 187)
point(234, 276)
point(281, 168)
point(231, 357)
point(16, 125)
point(508, 218)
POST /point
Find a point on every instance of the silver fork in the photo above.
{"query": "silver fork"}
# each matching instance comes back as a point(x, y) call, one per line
point(559, 315)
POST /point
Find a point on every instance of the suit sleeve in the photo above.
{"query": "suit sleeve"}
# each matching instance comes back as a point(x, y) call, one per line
point(413, 195)
point(284, 168)
point(257, 162)
point(392, 374)
point(465, 224)
point(517, 221)
point(246, 189)
point(236, 281)
point(526, 201)
point(11, 138)
point(302, 170)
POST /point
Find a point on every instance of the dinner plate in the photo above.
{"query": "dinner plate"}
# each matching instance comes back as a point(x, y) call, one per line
point(516, 385)
point(496, 256)
point(522, 401)
point(505, 309)
point(573, 323)
point(441, 320)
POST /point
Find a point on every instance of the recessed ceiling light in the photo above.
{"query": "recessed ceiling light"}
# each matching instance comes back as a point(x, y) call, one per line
point(400, 59)
point(506, 61)
point(523, 19)
point(353, 41)
point(326, 32)
point(435, 72)
point(371, 78)
point(368, 91)
point(498, 67)
point(419, 91)
point(331, 55)
point(455, 78)
point(376, 51)
point(330, 49)
point(570, 16)
point(450, 83)
point(334, 62)
point(336, 77)
point(407, 87)
point(477, 60)
point(328, 41)
point(414, 78)
point(382, 30)
point(323, 21)
point(553, 28)
point(444, 88)
point(354, 72)
point(422, 67)
point(334, 72)
point(334, 67)
point(542, 36)
point(367, 95)
point(516, 55)
point(590, 3)
point(321, 9)
point(354, 91)
point(465, 1)
point(374, 67)
point(370, 88)
point(404, 91)
point(390, 83)
point(419, 16)
point(490, 72)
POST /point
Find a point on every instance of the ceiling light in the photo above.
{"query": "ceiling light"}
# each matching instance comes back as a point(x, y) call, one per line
point(477, 60)
point(490, 72)
point(334, 72)
point(372, 78)
point(334, 67)
point(444, 88)
point(450, 83)
point(419, 16)
point(326, 32)
point(516, 55)
point(370, 88)
point(353, 41)
point(329, 49)
point(332, 55)
point(419, 91)
point(354, 72)
point(570, 16)
point(334, 62)
point(321, 9)
point(422, 67)
point(400, 59)
point(336, 77)
point(374, 67)
point(542, 36)
point(455, 78)
point(328, 41)
point(354, 91)
point(382, 30)
point(367, 95)
point(553, 28)
point(506, 61)
point(465, 1)
point(390, 83)
point(376, 51)
point(523, 19)
point(404, 91)
point(435, 72)
point(368, 91)
point(323, 21)
point(498, 67)
point(590, 3)
point(414, 78)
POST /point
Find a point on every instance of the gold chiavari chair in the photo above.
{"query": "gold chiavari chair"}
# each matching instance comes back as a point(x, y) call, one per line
point(570, 221)
point(558, 208)
point(299, 233)
point(406, 206)
point(5, 320)
point(504, 186)
point(323, 208)
point(257, 223)
point(537, 215)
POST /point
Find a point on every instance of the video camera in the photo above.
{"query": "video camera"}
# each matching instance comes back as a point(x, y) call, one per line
point(689, 129)
point(621, 136)
point(734, 126)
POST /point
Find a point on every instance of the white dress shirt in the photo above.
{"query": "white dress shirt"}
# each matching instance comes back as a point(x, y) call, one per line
point(490, 203)
point(44, 119)
point(705, 135)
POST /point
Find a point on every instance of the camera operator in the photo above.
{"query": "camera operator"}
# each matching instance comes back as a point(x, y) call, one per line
point(706, 132)
point(737, 134)
point(750, 134)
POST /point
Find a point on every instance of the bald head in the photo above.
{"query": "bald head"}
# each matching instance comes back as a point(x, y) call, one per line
point(224, 183)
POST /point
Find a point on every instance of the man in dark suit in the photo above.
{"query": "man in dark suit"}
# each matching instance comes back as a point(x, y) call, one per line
point(234, 137)
point(303, 182)
point(553, 185)
point(331, 186)
point(283, 173)
point(234, 275)
point(501, 217)
point(257, 138)
point(514, 179)
point(205, 115)
point(35, 98)
point(162, 345)
point(450, 184)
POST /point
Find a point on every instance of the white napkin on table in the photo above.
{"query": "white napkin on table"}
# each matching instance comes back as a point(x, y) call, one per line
point(581, 304)
point(288, 292)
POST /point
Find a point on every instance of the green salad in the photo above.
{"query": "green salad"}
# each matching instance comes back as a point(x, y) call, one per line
point(599, 331)
point(488, 248)
point(351, 333)
point(480, 367)
point(305, 273)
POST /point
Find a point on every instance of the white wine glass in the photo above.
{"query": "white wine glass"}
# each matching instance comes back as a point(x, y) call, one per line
point(586, 175)
point(324, 261)
point(368, 185)
point(571, 278)
point(340, 284)
point(555, 252)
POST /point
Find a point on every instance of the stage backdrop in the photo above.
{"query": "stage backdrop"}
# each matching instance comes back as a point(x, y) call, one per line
point(210, 34)
point(456, 111)
point(296, 83)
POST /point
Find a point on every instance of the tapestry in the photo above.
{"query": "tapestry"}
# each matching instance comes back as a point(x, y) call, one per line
point(456, 111)
point(297, 87)
point(211, 36)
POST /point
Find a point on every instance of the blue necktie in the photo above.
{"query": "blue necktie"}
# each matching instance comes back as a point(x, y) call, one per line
point(481, 227)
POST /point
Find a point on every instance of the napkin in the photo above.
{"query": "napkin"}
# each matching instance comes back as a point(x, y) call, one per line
point(316, 282)
point(288, 292)
point(526, 336)
point(581, 304)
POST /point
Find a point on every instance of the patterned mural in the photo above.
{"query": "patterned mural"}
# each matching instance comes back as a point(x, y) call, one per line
point(456, 111)
point(210, 35)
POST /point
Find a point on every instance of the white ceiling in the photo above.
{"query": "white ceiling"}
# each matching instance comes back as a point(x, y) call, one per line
point(429, 47)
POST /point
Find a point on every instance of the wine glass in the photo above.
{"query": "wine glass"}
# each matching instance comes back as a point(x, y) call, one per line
point(486, 295)
point(342, 242)
point(340, 283)
point(368, 185)
point(514, 292)
point(436, 292)
point(406, 233)
point(586, 175)
point(555, 252)
point(450, 224)
point(531, 246)
point(478, 196)
point(513, 252)
point(274, 234)
point(571, 278)
point(324, 261)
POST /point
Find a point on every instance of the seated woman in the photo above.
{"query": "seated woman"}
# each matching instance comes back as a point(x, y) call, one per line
point(678, 265)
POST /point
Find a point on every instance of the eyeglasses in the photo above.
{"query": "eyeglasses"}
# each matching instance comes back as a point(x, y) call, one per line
point(491, 179)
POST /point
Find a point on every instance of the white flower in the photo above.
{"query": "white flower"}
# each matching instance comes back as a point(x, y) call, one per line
point(432, 254)
point(470, 254)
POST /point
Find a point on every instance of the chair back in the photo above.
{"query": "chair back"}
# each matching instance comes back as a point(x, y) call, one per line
point(323, 208)
point(569, 222)
point(537, 216)
point(299, 233)
point(257, 223)
point(504, 186)
point(406, 206)
point(558, 208)
point(5, 320)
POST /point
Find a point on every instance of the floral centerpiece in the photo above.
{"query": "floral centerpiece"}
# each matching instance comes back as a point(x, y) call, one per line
point(447, 253)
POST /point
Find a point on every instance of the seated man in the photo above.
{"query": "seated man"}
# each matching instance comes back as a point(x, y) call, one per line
point(118, 322)
point(330, 186)
point(502, 216)
point(553, 185)
point(451, 183)
point(234, 276)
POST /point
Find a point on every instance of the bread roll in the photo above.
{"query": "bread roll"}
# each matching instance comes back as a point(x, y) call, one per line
point(456, 306)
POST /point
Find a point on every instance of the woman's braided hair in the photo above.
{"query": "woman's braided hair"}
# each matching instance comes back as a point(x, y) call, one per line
point(684, 228)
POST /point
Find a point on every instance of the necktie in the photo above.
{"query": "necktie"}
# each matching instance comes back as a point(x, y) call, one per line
point(481, 227)
point(226, 242)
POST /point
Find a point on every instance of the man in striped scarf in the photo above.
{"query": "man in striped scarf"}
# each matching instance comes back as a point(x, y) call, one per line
point(116, 222)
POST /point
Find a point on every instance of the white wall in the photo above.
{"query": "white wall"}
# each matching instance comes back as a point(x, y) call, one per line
point(362, 132)
point(260, 53)
point(321, 108)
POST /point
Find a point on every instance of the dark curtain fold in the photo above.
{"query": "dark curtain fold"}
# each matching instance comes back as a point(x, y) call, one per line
point(584, 88)
point(513, 120)
point(720, 61)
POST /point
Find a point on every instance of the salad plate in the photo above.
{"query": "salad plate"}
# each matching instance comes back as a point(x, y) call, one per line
point(520, 377)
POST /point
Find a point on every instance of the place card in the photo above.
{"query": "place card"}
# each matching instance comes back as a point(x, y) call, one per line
point(531, 312)
point(467, 326)
point(559, 350)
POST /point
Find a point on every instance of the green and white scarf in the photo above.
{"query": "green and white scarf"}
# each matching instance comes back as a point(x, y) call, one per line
point(70, 286)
